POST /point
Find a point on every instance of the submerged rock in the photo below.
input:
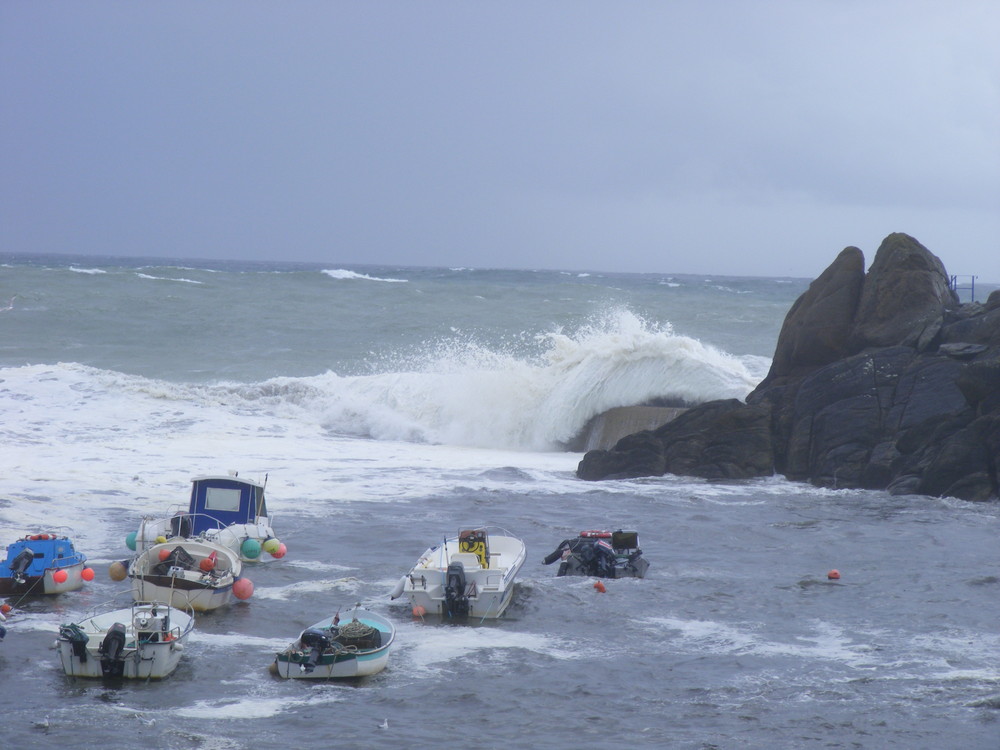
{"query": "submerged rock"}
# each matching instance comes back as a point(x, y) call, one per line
point(879, 380)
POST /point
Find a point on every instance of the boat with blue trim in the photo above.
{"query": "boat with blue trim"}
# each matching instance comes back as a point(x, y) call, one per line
point(229, 510)
point(186, 573)
point(43, 563)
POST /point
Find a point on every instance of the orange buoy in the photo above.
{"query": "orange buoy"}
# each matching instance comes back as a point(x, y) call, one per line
point(242, 588)
point(207, 564)
point(5, 608)
point(833, 575)
point(600, 587)
point(419, 611)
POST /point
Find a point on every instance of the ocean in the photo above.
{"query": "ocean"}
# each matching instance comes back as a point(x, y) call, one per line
point(388, 407)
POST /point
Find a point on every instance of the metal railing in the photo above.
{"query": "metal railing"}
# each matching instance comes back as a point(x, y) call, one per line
point(969, 286)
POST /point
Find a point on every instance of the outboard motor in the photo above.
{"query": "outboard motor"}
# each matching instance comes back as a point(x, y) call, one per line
point(564, 546)
point(603, 564)
point(77, 639)
point(456, 603)
point(317, 641)
point(20, 563)
point(180, 525)
point(112, 661)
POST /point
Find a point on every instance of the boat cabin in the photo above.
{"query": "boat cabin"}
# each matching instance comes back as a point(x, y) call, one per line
point(217, 502)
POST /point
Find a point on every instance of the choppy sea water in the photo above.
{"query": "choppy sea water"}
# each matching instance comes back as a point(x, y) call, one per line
point(390, 406)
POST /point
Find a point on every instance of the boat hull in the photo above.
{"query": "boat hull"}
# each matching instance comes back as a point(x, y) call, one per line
point(292, 662)
point(45, 583)
point(181, 593)
point(179, 578)
point(144, 654)
point(33, 561)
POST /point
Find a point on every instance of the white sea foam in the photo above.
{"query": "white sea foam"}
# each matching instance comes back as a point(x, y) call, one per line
point(340, 273)
point(164, 278)
point(258, 708)
point(124, 446)
point(462, 393)
point(825, 642)
point(434, 648)
point(314, 586)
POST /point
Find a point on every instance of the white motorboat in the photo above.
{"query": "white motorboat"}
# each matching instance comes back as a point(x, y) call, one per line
point(228, 510)
point(469, 575)
point(355, 644)
point(191, 573)
point(144, 641)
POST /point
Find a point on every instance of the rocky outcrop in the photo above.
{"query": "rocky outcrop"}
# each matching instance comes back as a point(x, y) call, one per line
point(879, 380)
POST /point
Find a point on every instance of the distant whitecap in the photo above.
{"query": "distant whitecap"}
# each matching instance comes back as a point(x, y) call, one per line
point(340, 273)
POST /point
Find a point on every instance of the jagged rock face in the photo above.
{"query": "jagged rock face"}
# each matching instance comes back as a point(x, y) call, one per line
point(880, 381)
point(818, 327)
point(904, 296)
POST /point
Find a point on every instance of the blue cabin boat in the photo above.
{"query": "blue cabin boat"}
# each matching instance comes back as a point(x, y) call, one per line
point(228, 510)
point(44, 563)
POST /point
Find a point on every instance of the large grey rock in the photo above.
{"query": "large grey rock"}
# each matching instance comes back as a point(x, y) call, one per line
point(904, 296)
point(817, 328)
point(882, 382)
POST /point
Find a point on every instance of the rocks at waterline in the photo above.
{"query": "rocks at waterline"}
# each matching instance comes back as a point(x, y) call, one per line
point(880, 380)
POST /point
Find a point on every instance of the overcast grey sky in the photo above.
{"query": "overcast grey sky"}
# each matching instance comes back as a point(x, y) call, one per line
point(751, 137)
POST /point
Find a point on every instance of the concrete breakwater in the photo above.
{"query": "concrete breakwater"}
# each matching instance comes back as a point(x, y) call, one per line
point(607, 428)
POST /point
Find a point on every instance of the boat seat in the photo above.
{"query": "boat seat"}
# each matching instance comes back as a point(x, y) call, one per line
point(469, 560)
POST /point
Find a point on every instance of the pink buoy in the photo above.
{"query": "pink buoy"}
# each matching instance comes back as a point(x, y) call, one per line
point(419, 611)
point(833, 575)
point(280, 552)
point(242, 588)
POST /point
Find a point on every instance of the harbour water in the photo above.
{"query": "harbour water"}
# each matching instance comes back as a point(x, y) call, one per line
point(389, 407)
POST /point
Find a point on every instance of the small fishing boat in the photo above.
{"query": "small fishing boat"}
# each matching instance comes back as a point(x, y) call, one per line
point(356, 644)
point(186, 573)
point(603, 554)
point(143, 641)
point(46, 563)
point(227, 510)
point(470, 575)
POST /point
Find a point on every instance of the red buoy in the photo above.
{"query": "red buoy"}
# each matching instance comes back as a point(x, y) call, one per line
point(833, 575)
point(242, 588)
